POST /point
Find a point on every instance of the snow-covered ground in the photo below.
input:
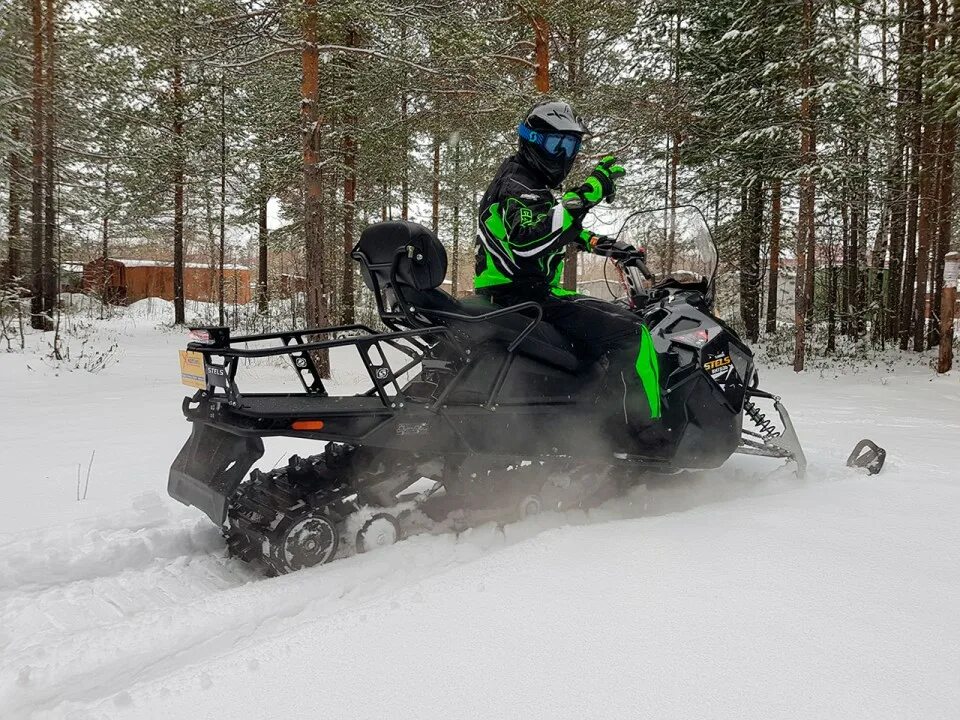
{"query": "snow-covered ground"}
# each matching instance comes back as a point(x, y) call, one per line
point(837, 597)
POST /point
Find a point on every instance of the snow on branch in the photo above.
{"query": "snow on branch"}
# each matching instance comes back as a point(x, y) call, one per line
point(327, 49)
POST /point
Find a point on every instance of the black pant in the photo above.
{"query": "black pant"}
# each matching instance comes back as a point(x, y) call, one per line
point(598, 328)
point(593, 326)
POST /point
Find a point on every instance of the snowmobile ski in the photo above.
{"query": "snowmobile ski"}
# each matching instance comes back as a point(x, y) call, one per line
point(867, 454)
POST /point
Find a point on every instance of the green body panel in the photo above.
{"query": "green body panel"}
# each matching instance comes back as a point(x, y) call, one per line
point(648, 370)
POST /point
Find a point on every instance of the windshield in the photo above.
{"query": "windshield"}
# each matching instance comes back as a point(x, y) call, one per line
point(677, 240)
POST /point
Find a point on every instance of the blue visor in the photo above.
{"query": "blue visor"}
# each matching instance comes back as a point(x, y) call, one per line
point(553, 143)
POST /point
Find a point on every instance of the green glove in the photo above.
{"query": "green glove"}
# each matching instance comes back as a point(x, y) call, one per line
point(600, 185)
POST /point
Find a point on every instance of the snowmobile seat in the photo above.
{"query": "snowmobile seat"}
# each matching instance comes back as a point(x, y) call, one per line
point(417, 277)
point(544, 343)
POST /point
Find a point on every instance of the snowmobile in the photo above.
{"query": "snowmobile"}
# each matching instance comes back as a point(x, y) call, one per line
point(464, 395)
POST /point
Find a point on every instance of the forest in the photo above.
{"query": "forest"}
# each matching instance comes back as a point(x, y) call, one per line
point(818, 137)
point(266, 453)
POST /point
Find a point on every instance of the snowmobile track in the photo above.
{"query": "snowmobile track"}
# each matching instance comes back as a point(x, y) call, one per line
point(267, 506)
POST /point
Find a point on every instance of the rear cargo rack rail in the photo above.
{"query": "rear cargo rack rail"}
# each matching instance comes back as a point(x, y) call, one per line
point(296, 346)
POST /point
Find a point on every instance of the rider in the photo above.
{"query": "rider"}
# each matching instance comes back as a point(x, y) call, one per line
point(523, 232)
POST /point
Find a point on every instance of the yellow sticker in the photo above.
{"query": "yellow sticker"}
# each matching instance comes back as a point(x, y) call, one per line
point(717, 363)
point(191, 369)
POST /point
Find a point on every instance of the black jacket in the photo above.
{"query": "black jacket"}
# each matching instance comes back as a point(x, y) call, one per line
point(522, 234)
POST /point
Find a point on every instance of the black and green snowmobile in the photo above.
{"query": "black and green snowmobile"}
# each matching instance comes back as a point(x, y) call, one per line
point(490, 404)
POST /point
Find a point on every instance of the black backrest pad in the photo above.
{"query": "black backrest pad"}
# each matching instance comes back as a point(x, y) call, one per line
point(423, 264)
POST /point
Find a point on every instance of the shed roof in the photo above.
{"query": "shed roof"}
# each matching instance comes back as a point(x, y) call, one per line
point(126, 262)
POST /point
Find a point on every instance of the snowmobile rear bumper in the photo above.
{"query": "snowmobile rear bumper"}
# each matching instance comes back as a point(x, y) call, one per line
point(210, 467)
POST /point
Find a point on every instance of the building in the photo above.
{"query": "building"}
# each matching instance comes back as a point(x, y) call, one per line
point(125, 281)
point(71, 277)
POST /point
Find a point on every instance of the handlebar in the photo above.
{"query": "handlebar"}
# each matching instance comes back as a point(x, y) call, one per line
point(627, 258)
point(637, 260)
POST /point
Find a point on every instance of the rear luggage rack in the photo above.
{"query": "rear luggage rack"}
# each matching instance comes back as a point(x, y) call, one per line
point(219, 344)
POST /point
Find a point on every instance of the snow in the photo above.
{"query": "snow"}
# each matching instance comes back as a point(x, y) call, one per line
point(724, 596)
point(166, 263)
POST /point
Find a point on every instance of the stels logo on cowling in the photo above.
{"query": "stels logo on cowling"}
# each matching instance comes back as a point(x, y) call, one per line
point(719, 367)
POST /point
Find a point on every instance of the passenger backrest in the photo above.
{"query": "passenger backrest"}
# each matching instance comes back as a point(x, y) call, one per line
point(422, 263)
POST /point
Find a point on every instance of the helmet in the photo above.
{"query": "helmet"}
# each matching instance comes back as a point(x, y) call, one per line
point(550, 138)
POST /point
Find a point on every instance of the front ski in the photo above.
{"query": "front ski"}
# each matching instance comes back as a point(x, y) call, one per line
point(867, 454)
point(765, 440)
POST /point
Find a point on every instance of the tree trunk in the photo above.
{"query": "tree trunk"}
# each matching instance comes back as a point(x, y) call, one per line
point(541, 81)
point(317, 308)
point(673, 160)
point(860, 259)
point(909, 246)
point(541, 46)
point(875, 269)
point(178, 182)
point(571, 258)
point(105, 222)
point(667, 248)
point(455, 278)
point(913, 41)
point(858, 209)
point(750, 260)
point(926, 226)
point(263, 236)
point(105, 240)
point(672, 202)
point(348, 310)
point(716, 205)
point(332, 182)
point(435, 188)
point(405, 178)
point(848, 214)
point(831, 305)
point(775, 221)
point(898, 222)
point(928, 202)
point(221, 309)
point(50, 210)
point(404, 112)
point(944, 190)
point(212, 250)
point(806, 248)
point(898, 183)
point(349, 213)
point(13, 207)
point(846, 267)
point(36, 190)
point(948, 146)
